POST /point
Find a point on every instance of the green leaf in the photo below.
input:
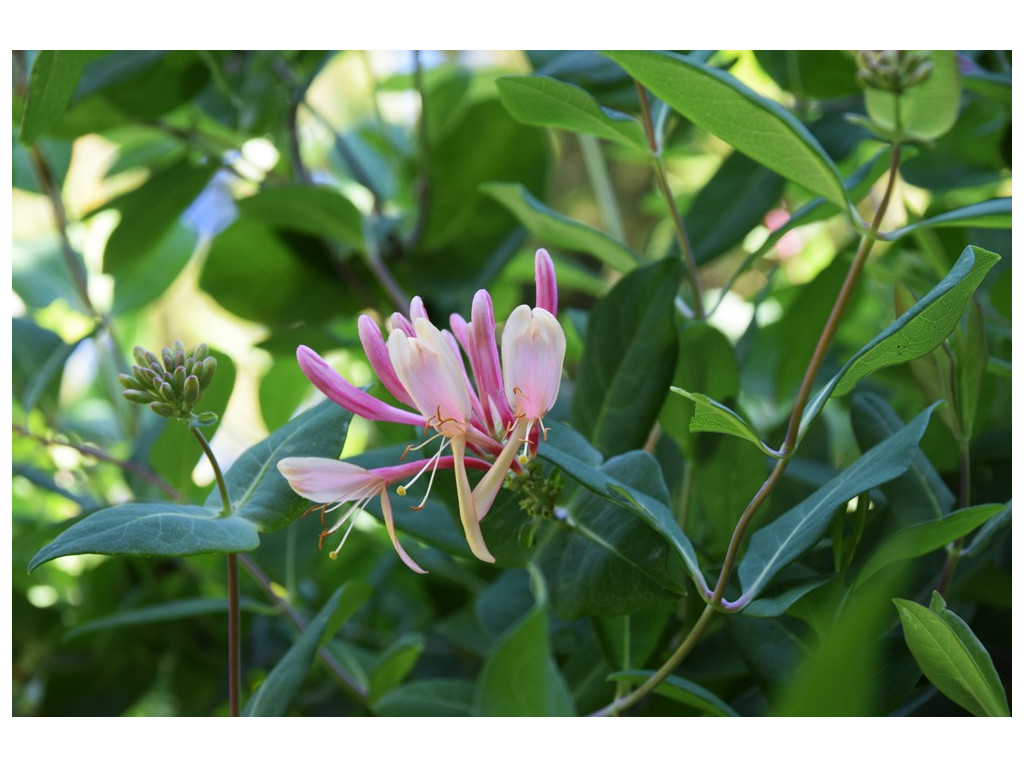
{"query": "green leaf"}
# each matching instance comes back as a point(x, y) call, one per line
point(971, 356)
point(730, 205)
point(711, 416)
point(558, 230)
point(914, 333)
point(920, 494)
point(259, 493)
point(170, 611)
point(777, 605)
point(168, 530)
point(315, 211)
point(149, 212)
point(519, 677)
point(649, 509)
point(720, 104)
point(544, 101)
point(923, 538)
point(272, 698)
point(51, 85)
point(628, 359)
point(395, 663)
point(602, 560)
point(37, 364)
point(681, 690)
point(791, 534)
point(924, 111)
point(427, 698)
point(149, 275)
point(996, 213)
point(952, 657)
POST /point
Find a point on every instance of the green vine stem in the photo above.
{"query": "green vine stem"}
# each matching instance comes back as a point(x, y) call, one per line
point(715, 603)
point(234, 636)
point(677, 220)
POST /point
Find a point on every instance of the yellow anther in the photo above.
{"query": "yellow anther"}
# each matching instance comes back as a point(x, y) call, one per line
point(400, 490)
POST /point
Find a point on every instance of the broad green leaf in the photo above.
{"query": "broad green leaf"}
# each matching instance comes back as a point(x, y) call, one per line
point(149, 212)
point(924, 111)
point(794, 532)
point(171, 611)
point(395, 663)
point(175, 452)
point(37, 364)
point(681, 690)
point(991, 214)
point(920, 494)
point(544, 101)
point(730, 205)
point(427, 698)
point(952, 658)
point(168, 530)
point(812, 74)
point(628, 359)
point(720, 104)
point(272, 698)
point(711, 416)
point(316, 211)
point(923, 538)
point(629, 640)
point(602, 560)
point(914, 333)
point(653, 512)
point(777, 605)
point(259, 493)
point(988, 530)
point(519, 677)
point(51, 85)
point(147, 277)
point(558, 230)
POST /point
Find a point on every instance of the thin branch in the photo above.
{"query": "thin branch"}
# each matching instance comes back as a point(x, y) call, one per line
point(86, 450)
point(295, 617)
point(677, 220)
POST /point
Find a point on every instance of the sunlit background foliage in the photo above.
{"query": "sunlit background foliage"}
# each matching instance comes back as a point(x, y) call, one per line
point(261, 200)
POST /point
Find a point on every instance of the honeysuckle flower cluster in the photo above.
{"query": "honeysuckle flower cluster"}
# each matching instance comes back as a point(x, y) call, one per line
point(489, 415)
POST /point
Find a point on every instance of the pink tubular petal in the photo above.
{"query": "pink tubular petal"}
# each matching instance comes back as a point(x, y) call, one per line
point(399, 320)
point(532, 351)
point(483, 357)
point(326, 481)
point(377, 353)
point(487, 489)
point(547, 288)
point(389, 523)
point(467, 509)
point(327, 380)
point(460, 329)
point(417, 309)
point(477, 408)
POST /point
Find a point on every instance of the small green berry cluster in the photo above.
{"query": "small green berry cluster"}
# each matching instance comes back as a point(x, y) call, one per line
point(173, 383)
point(538, 495)
point(893, 71)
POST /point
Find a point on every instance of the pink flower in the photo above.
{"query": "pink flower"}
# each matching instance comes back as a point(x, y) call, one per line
point(422, 367)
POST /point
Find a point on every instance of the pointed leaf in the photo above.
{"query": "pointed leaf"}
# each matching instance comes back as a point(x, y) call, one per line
point(51, 86)
point(914, 333)
point(316, 211)
point(628, 359)
point(259, 492)
point(170, 611)
point(681, 690)
point(272, 698)
point(720, 104)
point(952, 658)
point(169, 530)
point(711, 416)
point(544, 101)
point(395, 663)
point(991, 214)
point(923, 538)
point(427, 698)
point(790, 535)
point(555, 229)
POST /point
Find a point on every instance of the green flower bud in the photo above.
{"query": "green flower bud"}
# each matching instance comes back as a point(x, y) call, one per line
point(163, 409)
point(191, 392)
point(201, 351)
point(128, 382)
point(143, 357)
point(137, 396)
point(178, 379)
point(209, 368)
point(167, 393)
point(144, 376)
point(168, 358)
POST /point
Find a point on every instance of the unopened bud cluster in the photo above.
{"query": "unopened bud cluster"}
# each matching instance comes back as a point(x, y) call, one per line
point(538, 494)
point(893, 71)
point(172, 383)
